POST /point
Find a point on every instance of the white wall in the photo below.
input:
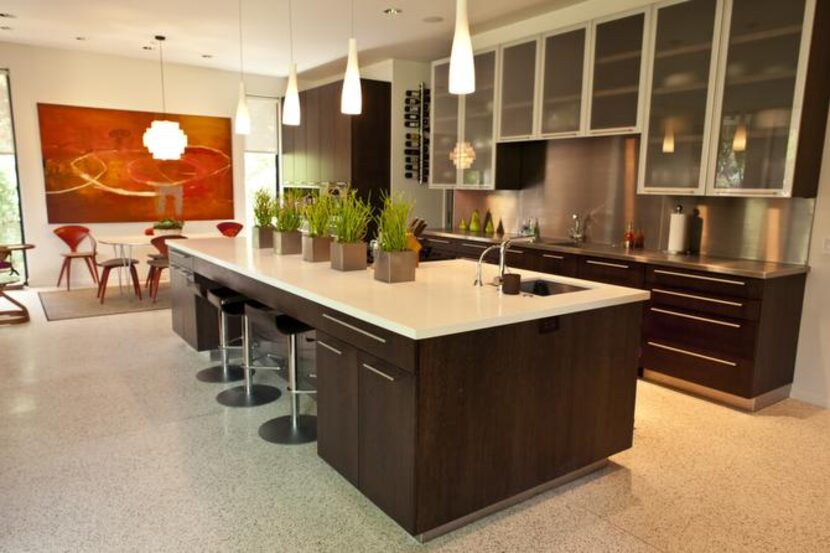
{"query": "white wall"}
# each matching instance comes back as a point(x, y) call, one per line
point(812, 371)
point(96, 80)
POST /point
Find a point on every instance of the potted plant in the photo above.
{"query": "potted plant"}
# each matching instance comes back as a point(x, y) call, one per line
point(317, 238)
point(350, 223)
point(168, 227)
point(287, 236)
point(264, 204)
point(394, 262)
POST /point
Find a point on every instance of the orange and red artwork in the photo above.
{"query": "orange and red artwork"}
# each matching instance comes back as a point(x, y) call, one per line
point(97, 169)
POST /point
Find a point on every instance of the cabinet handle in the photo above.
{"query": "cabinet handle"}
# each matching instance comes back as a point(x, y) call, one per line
point(694, 297)
point(553, 256)
point(606, 264)
point(330, 348)
point(352, 327)
point(695, 318)
point(700, 277)
point(515, 251)
point(438, 241)
point(476, 246)
point(693, 354)
point(379, 373)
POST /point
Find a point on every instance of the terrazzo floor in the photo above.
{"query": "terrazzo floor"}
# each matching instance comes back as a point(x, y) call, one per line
point(108, 443)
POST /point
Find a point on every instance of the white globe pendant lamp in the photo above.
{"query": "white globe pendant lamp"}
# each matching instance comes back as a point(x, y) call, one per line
point(242, 121)
point(462, 67)
point(291, 107)
point(164, 139)
point(351, 97)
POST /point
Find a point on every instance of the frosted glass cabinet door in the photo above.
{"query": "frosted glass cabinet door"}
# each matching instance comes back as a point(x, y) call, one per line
point(444, 128)
point(562, 75)
point(759, 91)
point(677, 120)
point(518, 86)
point(478, 125)
point(618, 56)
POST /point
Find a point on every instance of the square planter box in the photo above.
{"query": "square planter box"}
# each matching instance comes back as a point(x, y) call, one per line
point(262, 238)
point(316, 248)
point(348, 257)
point(395, 266)
point(288, 243)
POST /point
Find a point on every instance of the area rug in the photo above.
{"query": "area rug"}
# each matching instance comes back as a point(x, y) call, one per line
point(61, 305)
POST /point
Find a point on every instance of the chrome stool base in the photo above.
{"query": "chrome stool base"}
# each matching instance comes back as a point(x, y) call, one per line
point(241, 396)
point(289, 430)
point(221, 374)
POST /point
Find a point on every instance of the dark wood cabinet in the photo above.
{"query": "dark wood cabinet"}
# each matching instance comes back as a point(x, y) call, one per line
point(611, 271)
point(556, 263)
point(337, 405)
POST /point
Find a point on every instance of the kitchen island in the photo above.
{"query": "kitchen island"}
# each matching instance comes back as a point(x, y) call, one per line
point(440, 401)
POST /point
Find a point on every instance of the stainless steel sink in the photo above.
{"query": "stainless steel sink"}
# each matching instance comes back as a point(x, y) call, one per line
point(540, 287)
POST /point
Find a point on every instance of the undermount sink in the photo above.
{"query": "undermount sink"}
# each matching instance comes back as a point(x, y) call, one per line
point(540, 287)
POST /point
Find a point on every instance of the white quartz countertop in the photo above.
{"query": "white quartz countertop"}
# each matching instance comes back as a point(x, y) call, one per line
point(442, 300)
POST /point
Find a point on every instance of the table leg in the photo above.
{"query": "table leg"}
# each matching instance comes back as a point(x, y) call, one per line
point(13, 316)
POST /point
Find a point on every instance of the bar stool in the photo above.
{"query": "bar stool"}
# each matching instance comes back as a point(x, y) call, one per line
point(294, 428)
point(230, 304)
point(250, 394)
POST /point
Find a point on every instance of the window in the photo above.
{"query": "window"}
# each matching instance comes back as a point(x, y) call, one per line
point(11, 224)
point(261, 151)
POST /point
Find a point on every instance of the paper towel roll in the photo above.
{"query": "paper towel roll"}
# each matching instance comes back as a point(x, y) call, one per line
point(679, 225)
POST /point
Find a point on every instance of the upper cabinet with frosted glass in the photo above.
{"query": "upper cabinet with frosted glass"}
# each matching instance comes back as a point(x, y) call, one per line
point(463, 128)
point(771, 98)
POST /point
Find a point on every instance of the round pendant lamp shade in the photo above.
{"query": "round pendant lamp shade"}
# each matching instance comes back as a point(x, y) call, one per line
point(291, 109)
point(242, 121)
point(351, 98)
point(165, 140)
point(462, 67)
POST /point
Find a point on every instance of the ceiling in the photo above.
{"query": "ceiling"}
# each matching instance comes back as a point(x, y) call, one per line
point(209, 27)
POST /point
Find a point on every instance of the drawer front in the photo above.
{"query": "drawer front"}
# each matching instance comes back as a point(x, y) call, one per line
point(713, 370)
point(707, 283)
point(555, 263)
point(731, 337)
point(519, 258)
point(180, 260)
point(443, 246)
point(707, 304)
point(473, 250)
point(611, 271)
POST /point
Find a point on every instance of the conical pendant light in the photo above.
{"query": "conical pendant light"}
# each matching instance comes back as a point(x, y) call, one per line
point(291, 108)
point(242, 121)
point(351, 98)
point(164, 139)
point(462, 68)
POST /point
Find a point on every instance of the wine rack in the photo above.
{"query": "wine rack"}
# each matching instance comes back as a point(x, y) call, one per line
point(416, 123)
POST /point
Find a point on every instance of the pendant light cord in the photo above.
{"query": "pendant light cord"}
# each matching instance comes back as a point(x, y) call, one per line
point(290, 31)
point(352, 20)
point(241, 63)
point(161, 67)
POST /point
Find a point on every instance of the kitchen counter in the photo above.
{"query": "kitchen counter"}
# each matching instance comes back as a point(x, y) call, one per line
point(737, 267)
point(441, 301)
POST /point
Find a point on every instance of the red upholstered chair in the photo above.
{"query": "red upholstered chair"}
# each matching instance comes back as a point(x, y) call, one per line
point(73, 236)
point(229, 228)
point(158, 265)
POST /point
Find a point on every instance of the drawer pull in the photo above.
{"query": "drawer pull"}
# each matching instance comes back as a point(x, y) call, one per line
point(701, 277)
point(694, 297)
point(515, 251)
point(693, 354)
point(438, 240)
point(476, 246)
point(553, 256)
point(352, 327)
point(379, 373)
point(606, 264)
point(695, 318)
point(330, 348)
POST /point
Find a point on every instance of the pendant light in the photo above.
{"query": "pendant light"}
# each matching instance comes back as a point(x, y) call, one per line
point(739, 139)
point(291, 109)
point(462, 67)
point(242, 121)
point(351, 98)
point(668, 137)
point(164, 139)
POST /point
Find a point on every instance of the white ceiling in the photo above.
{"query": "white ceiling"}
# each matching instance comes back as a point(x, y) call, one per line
point(197, 27)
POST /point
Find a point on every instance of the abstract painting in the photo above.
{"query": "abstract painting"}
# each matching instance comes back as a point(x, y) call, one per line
point(97, 169)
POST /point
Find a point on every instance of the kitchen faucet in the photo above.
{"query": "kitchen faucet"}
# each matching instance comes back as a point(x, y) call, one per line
point(503, 247)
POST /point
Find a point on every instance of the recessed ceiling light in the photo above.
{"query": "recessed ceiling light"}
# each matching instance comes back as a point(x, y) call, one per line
point(393, 11)
point(8, 15)
point(80, 38)
point(146, 47)
point(5, 28)
point(207, 56)
point(433, 19)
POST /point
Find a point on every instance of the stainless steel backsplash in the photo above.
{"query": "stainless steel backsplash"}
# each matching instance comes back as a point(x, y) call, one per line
point(598, 176)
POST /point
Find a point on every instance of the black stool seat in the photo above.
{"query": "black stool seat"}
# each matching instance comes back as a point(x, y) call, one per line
point(224, 296)
point(289, 325)
point(233, 309)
